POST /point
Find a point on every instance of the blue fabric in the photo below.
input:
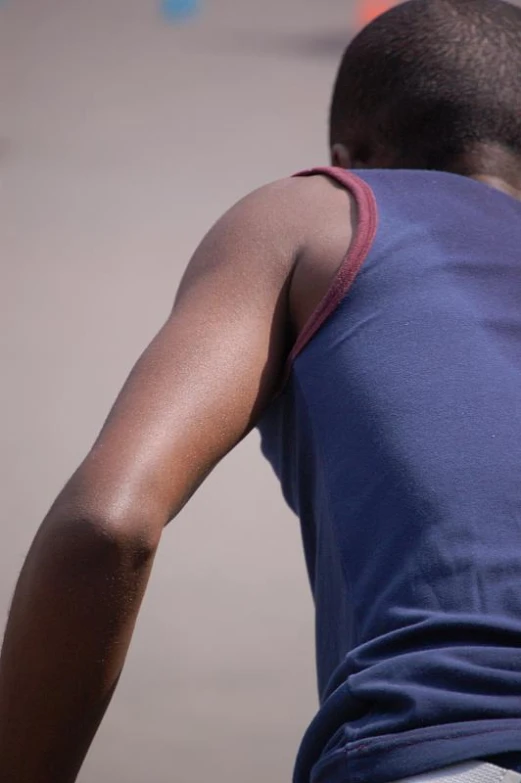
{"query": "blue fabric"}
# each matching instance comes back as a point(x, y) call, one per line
point(397, 441)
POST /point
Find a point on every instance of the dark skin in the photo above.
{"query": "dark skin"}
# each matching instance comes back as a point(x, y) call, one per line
point(197, 390)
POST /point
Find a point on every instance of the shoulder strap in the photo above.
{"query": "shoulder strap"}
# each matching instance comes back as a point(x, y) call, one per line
point(366, 223)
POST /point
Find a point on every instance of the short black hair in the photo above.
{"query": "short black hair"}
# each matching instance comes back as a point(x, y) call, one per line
point(430, 79)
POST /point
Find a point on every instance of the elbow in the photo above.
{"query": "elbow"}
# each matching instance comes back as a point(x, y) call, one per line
point(100, 541)
point(136, 535)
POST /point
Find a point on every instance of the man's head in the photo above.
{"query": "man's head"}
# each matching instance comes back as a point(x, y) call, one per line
point(432, 84)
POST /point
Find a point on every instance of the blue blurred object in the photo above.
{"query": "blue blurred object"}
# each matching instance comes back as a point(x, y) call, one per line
point(178, 10)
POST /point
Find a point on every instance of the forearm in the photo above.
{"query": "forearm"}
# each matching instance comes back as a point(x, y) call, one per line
point(68, 633)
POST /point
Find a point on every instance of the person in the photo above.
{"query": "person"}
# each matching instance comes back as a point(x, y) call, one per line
point(367, 318)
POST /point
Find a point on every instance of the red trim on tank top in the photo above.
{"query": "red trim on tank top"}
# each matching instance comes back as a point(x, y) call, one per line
point(367, 218)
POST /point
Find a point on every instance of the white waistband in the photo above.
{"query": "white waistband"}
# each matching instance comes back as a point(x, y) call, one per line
point(468, 772)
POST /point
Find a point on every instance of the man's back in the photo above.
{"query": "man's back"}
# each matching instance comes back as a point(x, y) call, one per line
point(396, 439)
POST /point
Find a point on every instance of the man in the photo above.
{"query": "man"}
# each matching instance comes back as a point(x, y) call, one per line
point(387, 387)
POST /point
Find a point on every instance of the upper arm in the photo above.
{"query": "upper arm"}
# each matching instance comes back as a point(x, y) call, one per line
point(205, 378)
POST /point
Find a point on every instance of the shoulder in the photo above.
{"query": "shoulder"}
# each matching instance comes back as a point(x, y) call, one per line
point(317, 216)
point(290, 216)
point(290, 235)
point(291, 199)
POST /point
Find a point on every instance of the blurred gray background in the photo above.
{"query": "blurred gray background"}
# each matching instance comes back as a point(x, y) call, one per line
point(122, 139)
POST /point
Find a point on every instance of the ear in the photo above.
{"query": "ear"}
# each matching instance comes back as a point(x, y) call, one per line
point(341, 157)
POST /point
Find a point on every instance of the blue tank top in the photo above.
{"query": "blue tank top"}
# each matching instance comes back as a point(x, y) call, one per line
point(397, 442)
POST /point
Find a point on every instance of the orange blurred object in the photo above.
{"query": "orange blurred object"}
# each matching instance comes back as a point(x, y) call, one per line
point(370, 9)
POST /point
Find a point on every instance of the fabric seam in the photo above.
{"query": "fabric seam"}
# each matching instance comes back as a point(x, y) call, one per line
point(353, 260)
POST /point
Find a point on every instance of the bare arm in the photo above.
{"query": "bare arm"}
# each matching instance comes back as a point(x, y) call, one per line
point(196, 391)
